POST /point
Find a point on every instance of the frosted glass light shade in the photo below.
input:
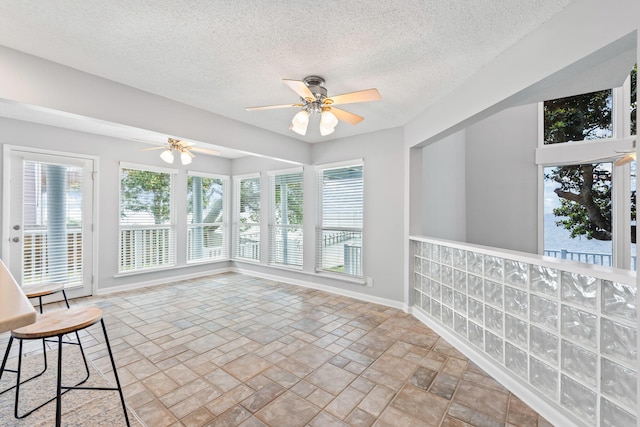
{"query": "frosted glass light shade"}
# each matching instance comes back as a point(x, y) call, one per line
point(185, 158)
point(300, 122)
point(299, 130)
point(167, 156)
point(328, 119)
point(301, 119)
point(324, 131)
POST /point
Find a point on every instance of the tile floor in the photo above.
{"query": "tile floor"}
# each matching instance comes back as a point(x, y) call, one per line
point(235, 350)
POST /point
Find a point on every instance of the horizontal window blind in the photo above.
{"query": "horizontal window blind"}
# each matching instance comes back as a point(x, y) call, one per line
point(247, 209)
point(341, 204)
point(52, 223)
point(285, 229)
point(147, 225)
point(206, 219)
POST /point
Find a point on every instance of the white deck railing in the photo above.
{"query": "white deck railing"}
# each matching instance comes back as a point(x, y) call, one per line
point(586, 257)
point(36, 267)
point(563, 333)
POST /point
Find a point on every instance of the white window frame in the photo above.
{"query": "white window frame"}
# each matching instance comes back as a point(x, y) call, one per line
point(320, 227)
point(236, 217)
point(596, 151)
point(225, 219)
point(172, 218)
point(272, 220)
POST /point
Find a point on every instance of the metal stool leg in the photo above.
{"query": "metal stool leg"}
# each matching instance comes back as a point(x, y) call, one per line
point(59, 384)
point(18, 383)
point(66, 301)
point(4, 359)
point(4, 369)
point(115, 374)
point(15, 407)
point(115, 371)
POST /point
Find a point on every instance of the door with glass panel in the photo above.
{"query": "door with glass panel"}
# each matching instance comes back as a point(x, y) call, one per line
point(48, 223)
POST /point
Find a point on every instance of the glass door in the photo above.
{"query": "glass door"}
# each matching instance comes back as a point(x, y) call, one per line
point(50, 214)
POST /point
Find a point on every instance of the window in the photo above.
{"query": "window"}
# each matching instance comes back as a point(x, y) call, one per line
point(247, 196)
point(340, 202)
point(285, 229)
point(147, 224)
point(206, 217)
point(589, 177)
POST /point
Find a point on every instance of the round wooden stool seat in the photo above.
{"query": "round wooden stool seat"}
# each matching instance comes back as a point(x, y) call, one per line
point(34, 291)
point(59, 322)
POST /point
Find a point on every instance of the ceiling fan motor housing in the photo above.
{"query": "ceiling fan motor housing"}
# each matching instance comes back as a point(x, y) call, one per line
point(316, 86)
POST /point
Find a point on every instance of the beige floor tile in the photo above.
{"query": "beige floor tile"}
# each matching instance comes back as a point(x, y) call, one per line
point(246, 366)
point(159, 384)
point(231, 349)
point(488, 401)
point(288, 410)
point(420, 404)
point(330, 378)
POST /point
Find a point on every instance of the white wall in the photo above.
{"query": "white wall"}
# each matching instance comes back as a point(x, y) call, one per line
point(581, 29)
point(444, 188)
point(110, 152)
point(502, 180)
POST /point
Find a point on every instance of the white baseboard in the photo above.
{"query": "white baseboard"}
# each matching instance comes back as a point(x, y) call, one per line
point(331, 289)
point(157, 282)
point(548, 410)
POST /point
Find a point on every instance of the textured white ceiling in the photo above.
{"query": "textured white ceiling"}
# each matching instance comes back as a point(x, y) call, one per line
point(223, 56)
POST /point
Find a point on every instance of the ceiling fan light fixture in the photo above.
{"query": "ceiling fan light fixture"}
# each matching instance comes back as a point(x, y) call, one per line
point(328, 119)
point(300, 130)
point(167, 155)
point(301, 119)
point(324, 130)
point(300, 122)
point(185, 158)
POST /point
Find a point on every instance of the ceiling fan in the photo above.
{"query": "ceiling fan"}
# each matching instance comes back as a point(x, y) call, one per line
point(184, 148)
point(314, 100)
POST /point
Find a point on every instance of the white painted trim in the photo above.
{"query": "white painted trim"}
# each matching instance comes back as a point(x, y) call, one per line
point(288, 171)
point(207, 175)
point(148, 168)
point(330, 289)
point(581, 152)
point(337, 165)
point(540, 219)
point(526, 394)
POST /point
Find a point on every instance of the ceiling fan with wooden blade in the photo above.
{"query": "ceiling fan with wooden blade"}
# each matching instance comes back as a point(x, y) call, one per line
point(184, 148)
point(314, 100)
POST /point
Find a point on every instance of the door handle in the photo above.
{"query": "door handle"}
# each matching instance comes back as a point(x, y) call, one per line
point(16, 239)
point(16, 227)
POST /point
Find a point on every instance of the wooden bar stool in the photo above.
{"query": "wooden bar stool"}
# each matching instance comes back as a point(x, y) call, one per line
point(39, 291)
point(42, 290)
point(57, 324)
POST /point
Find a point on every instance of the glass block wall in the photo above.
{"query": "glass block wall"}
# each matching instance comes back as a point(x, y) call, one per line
point(569, 336)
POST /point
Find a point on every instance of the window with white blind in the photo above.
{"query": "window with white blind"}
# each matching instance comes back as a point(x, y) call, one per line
point(52, 217)
point(247, 209)
point(340, 213)
point(285, 228)
point(206, 217)
point(147, 218)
